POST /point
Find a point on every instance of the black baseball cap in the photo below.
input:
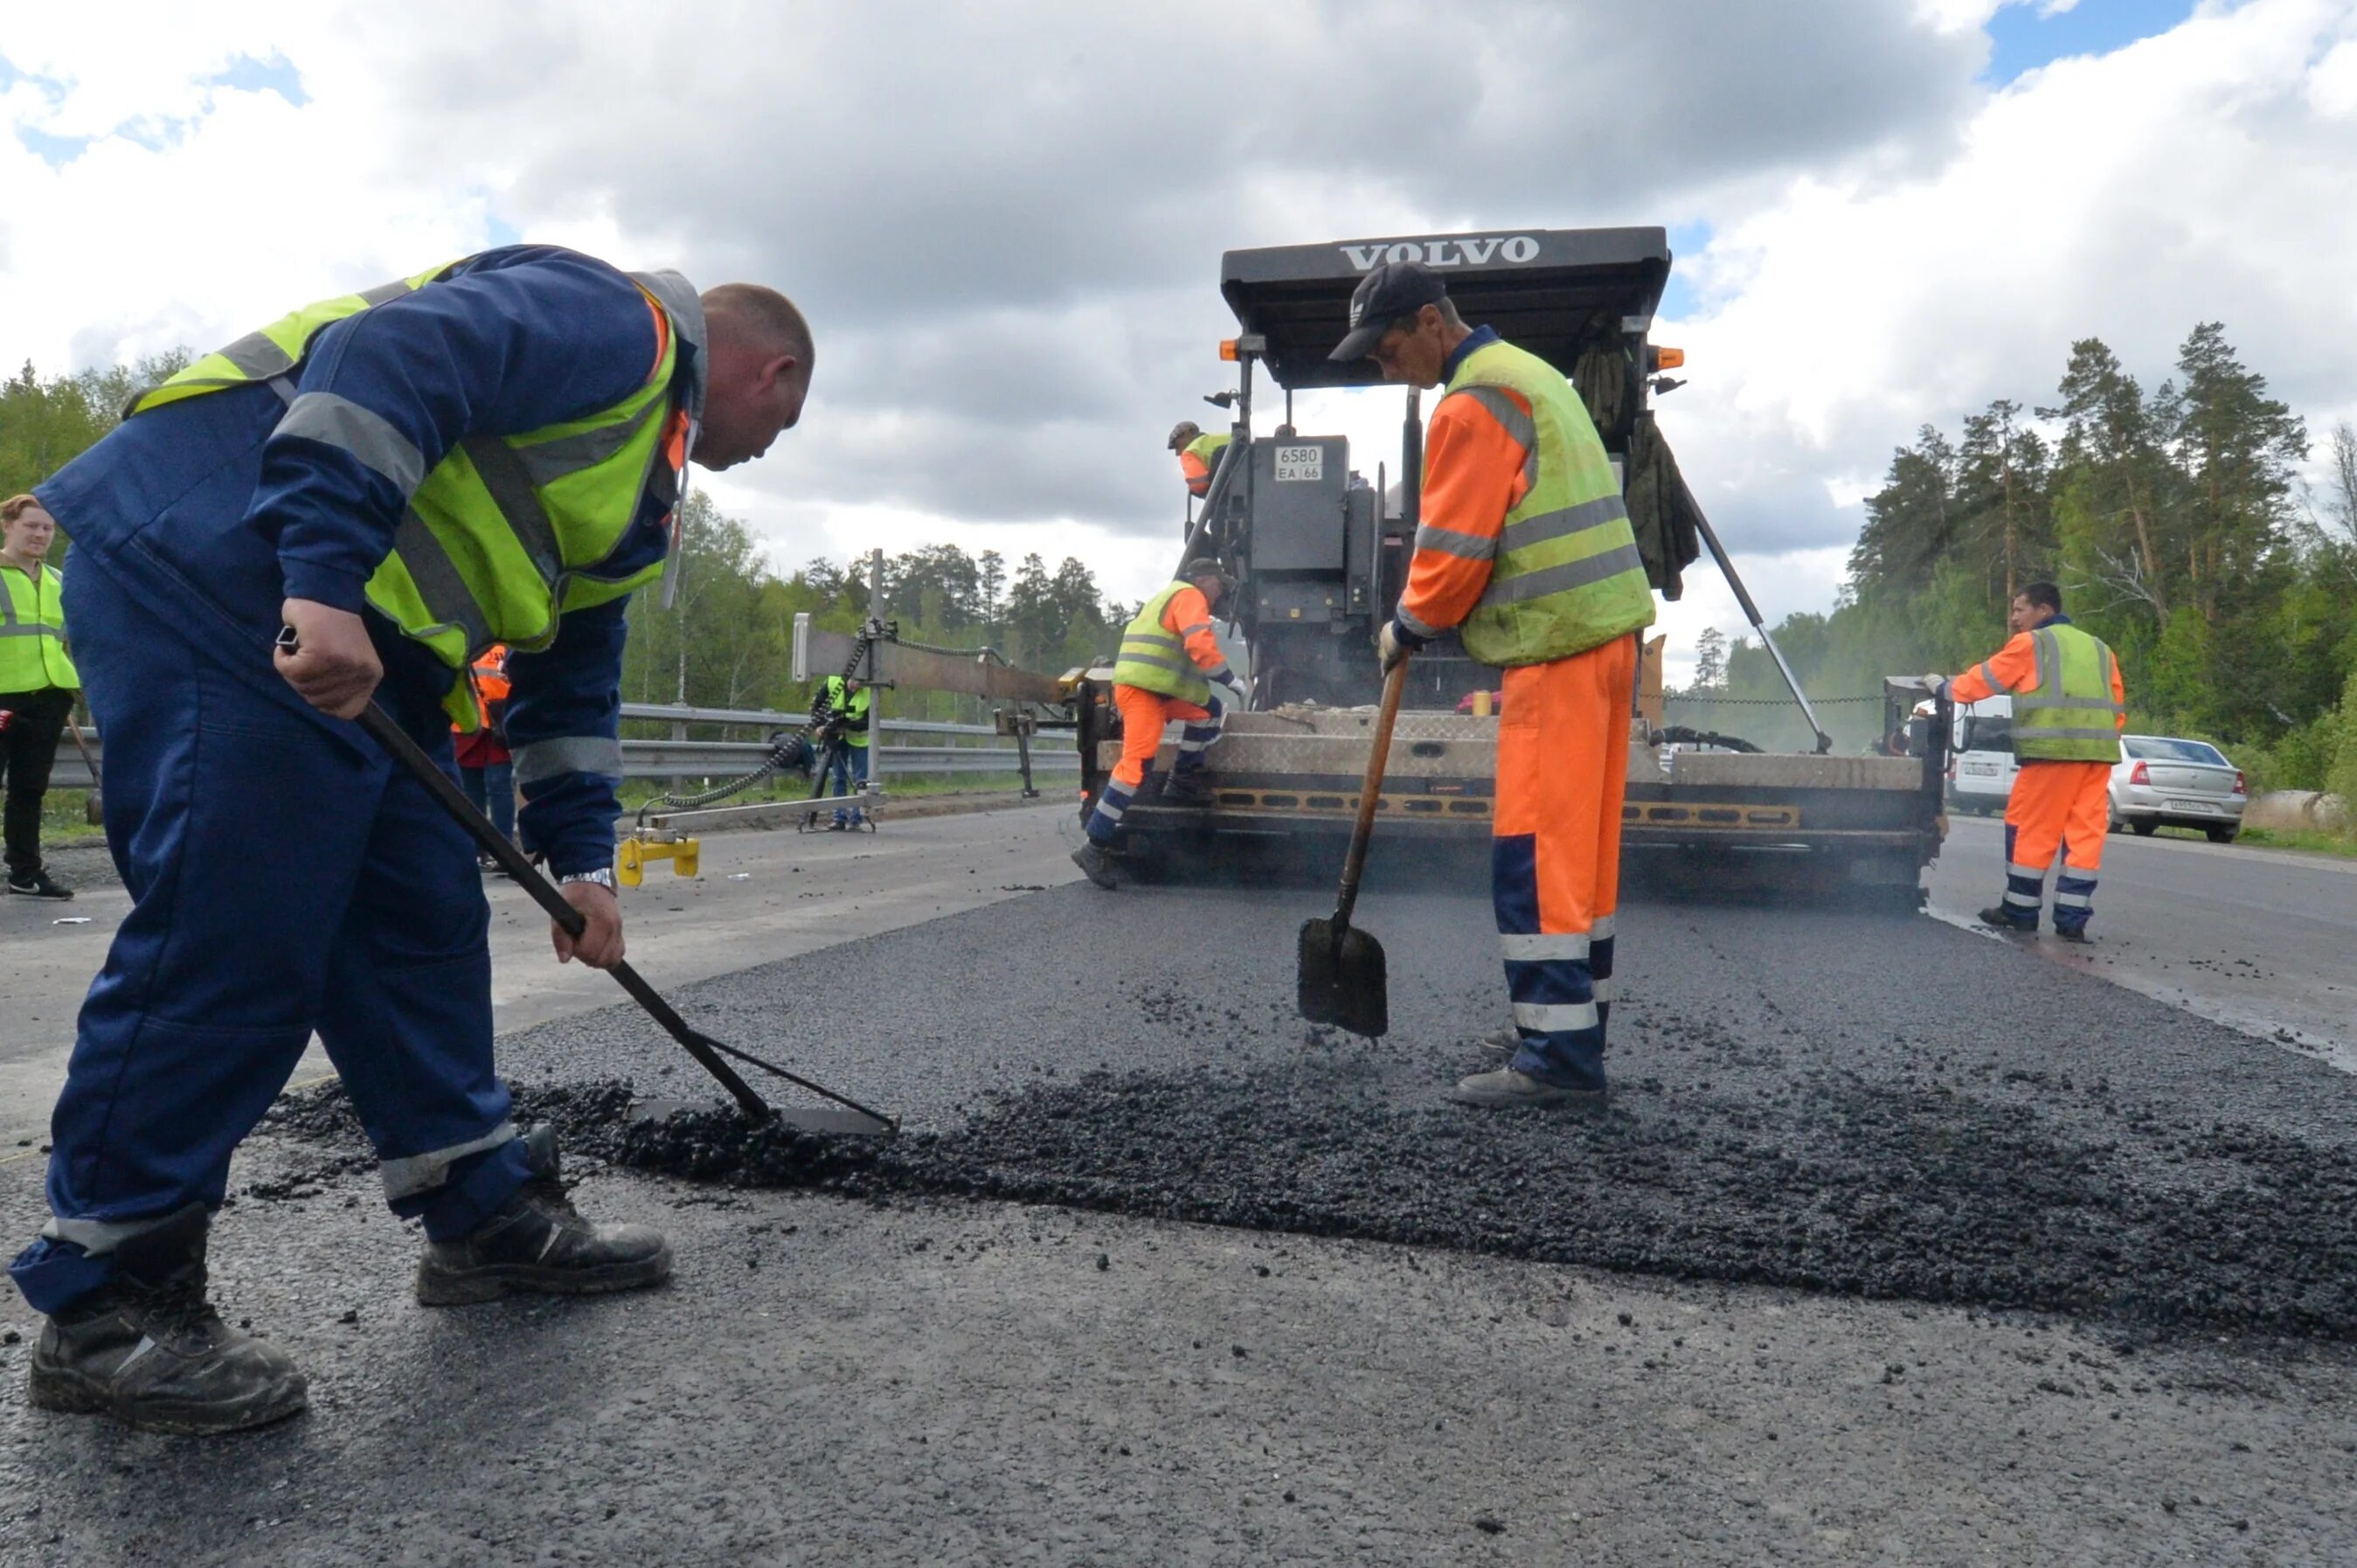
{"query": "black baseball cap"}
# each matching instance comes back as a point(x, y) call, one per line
point(1393, 290)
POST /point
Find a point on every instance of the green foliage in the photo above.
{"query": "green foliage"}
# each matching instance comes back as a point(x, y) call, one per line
point(728, 639)
point(2341, 777)
point(2174, 521)
point(45, 425)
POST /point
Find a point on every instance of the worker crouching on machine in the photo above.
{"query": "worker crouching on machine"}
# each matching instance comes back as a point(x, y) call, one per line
point(1169, 665)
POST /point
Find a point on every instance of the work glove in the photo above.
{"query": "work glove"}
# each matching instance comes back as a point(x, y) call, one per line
point(1934, 684)
point(1389, 649)
point(1235, 690)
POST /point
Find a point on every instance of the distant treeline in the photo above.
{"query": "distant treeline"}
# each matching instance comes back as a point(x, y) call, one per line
point(2174, 520)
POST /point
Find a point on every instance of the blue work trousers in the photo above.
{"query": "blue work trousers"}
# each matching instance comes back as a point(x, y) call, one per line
point(286, 876)
point(847, 772)
point(492, 790)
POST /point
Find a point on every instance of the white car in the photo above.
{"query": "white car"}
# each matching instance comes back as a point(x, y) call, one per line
point(2162, 781)
point(1981, 764)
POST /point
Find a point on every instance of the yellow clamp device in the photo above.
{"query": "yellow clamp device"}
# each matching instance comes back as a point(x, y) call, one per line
point(631, 855)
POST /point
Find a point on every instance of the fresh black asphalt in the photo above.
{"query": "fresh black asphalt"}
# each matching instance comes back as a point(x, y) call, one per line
point(1854, 1103)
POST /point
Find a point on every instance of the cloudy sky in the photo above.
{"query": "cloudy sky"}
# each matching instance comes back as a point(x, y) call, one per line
point(1006, 221)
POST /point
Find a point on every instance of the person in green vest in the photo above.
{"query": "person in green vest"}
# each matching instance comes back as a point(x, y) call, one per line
point(38, 686)
point(845, 701)
point(1197, 455)
point(2068, 708)
point(1525, 548)
point(1170, 662)
point(493, 450)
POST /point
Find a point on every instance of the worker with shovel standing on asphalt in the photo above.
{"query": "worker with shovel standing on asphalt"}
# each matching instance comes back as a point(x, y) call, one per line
point(492, 451)
point(1525, 547)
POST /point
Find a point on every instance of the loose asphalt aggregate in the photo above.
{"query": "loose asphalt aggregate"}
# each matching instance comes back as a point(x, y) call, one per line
point(1862, 1105)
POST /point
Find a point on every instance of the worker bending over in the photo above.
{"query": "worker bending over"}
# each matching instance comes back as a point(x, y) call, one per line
point(1169, 661)
point(1524, 547)
point(2068, 708)
point(490, 451)
point(1197, 455)
point(845, 701)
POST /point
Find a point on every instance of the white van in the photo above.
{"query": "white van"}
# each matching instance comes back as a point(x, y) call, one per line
point(1981, 764)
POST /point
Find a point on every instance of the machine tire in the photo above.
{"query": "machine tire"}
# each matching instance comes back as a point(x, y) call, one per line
point(2144, 827)
point(2221, 835)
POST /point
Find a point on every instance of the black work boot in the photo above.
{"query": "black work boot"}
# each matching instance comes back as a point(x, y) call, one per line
point(2003, 919)
point(1097, 864)
point(149, 1350)
point(538, 1242)
point(1189, 789)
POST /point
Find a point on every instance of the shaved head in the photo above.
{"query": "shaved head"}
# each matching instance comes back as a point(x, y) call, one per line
point(759, 354)
point(760, 318)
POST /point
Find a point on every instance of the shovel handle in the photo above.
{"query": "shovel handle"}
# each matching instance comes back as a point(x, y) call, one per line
point(1371, 790)
point(87, 759)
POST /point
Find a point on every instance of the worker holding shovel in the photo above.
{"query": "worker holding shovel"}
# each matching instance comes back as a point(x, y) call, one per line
point(492, 451)
point(1524, 547)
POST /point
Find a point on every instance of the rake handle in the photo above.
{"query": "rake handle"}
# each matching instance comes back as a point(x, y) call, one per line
point(452, 800)
point(1378, 753)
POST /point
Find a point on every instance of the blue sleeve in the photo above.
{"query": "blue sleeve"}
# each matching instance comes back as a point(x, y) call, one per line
point(524, 336)
point(564, 720)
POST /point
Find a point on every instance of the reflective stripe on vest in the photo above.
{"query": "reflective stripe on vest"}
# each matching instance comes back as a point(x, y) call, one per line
point(33, 632)
point(492, 673)
point(856, 706)
point(2068, 714)
point(506, 533)
point(1155, 658)
point(1567, 576)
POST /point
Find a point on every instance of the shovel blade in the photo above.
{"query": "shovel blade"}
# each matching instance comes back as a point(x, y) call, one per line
point(1343, 983)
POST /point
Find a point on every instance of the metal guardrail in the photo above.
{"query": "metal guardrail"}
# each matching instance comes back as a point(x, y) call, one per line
point(722, 758)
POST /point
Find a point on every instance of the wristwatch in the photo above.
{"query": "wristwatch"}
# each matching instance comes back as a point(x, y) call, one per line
point(603, 877)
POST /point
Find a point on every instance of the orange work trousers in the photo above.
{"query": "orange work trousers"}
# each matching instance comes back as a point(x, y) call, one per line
point(1554, 866)
point(1143, 715)
point(2064, 806)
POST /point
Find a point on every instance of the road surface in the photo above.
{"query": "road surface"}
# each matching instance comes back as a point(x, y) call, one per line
point(1900, 1244)
point(2263, 940)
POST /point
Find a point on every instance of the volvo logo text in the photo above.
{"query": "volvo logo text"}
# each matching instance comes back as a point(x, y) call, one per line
point(1448, 252)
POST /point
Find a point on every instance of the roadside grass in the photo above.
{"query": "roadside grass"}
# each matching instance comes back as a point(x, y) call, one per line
point(64, 818)
point(2309, 840)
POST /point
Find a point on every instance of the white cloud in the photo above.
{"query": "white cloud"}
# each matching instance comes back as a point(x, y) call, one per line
point(2186, 177)
point(1006, 220)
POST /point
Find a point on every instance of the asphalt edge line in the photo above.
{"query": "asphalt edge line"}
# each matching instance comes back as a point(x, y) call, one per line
point(2333, 1054)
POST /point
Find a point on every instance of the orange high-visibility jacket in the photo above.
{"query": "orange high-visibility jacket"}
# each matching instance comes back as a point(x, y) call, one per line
point(2016, 664)
point(1187, 617)
point(1474, 475)
point(489, 675)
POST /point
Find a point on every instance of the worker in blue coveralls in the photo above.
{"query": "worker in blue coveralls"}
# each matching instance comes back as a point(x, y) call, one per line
point(492, 451)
